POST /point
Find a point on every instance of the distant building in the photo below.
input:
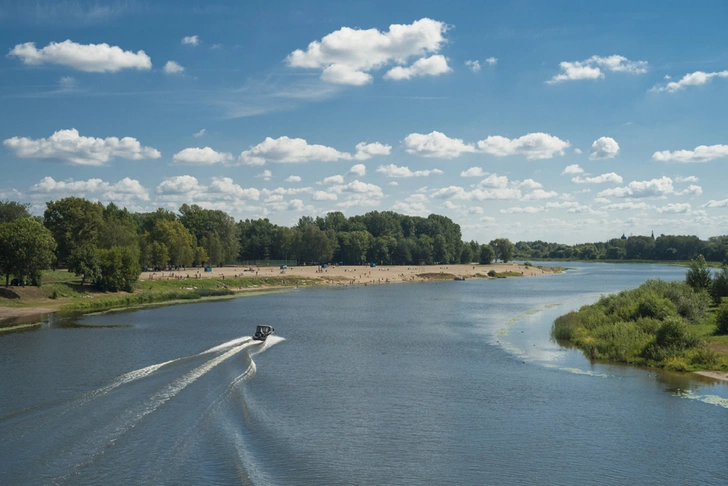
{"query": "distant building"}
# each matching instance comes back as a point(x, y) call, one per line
point(624, 237)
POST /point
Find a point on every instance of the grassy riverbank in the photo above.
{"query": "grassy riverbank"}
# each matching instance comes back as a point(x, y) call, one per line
point(62, 291)
point(659, 324)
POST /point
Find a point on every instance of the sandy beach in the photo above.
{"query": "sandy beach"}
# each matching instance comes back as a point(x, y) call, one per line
point(354, 274)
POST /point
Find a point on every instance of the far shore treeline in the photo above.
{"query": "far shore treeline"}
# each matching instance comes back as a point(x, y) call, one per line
point(109, 246)
point(661, 248)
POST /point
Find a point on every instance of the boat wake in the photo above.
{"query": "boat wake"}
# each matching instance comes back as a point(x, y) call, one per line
point(81, 435)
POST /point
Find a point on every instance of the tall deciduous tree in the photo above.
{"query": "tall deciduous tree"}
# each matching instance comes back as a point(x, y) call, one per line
point(26, 249)
point(179, 243)
point(11, 210)
point(119, 269)
point(74, 222)
point(698, 274)
point(503, 249)
point(486, 254)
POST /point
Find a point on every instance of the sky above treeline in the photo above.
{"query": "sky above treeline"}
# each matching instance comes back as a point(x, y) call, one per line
point(562, 120)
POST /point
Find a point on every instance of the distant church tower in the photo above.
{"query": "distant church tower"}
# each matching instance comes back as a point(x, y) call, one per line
point(653, 235)
point(624, 237)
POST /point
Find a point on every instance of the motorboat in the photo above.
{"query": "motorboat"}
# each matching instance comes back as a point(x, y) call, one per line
point(262, 332)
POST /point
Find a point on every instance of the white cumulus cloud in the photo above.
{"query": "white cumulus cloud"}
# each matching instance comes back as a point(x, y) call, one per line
point(602, 179)
point(702, 153)
point(426, 66)
point(265, 175)
point(540, 194)
point(346, 56)
point(675, 208)
point(293, 178)
point(96, 58)
point(69, 146)
point(594, 67)
point(365, 151)
point(190, 40)
point(334, 179)
point(359, 170)
point(324, 196)
point(126, 191)
point(473, 65)
point(393, 170)
point(473, 172)
point(693, 79)
point(572, 169)
point(173, 68)
point(435, 144)
point(604, 148)
point(637, 189)
point(533, 146)
point(199, 134)
point(201, 156)
point(298, 150)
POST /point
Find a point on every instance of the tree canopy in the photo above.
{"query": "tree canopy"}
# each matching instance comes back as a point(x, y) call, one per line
point(26, 249)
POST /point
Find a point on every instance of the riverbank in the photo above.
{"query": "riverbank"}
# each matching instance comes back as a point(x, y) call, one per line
point(62, 291)
point(659, 324)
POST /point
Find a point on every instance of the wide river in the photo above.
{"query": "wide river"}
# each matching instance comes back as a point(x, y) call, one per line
point(430, 383)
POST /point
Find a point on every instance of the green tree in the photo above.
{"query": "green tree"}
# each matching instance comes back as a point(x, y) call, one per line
point(179, 242)
point(11, 210)
point(698, 275)
point(218, 229)
point(84, 262)
point(440, 249)
point(719, 288)
point(26, 249)
point(503, 249)
point(466, 254)
point(487, 254)
point(721, 319)
point(159, 254)
point(316, 245)
point(403, 253)
point(74, 222)
point(119, 269)
point(119, 228)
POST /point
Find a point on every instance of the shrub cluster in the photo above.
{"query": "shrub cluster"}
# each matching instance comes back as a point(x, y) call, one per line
point(649, 325)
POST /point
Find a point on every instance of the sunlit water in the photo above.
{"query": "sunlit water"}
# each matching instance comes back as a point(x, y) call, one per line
point(434, 383)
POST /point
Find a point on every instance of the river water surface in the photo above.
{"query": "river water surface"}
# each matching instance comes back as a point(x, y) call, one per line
point(432, 383)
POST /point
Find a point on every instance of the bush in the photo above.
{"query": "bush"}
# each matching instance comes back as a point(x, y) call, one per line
point(565, 326)
point(492, 273)
point(674, 334)
point(721, 319)
point(656, 307)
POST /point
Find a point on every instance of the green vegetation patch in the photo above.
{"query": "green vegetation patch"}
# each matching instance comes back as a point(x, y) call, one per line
point(437, 276)
point(660, 324)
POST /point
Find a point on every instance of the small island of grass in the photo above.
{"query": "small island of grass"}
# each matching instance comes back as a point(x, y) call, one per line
point(660, 324)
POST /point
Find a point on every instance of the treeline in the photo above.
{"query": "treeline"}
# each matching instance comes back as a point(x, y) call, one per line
point(109, 246)
point(664, 247)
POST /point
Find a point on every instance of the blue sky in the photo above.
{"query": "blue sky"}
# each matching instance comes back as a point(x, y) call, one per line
point(563, 121)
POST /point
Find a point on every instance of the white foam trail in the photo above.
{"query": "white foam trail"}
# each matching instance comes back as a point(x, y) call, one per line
point(576, 371)
point(132, 417)
point(228, 344)
point(709, 399)
point(142, 372)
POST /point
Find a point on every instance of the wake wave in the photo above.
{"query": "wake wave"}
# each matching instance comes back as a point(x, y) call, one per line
point(75, 433)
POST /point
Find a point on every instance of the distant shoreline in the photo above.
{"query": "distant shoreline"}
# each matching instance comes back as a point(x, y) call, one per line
point(236, 281)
